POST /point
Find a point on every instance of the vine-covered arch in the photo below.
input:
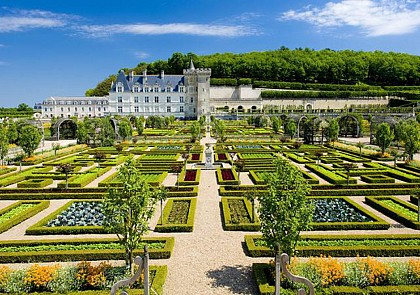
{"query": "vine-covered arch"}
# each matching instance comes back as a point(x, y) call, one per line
point(349, 125)
point(64, 128)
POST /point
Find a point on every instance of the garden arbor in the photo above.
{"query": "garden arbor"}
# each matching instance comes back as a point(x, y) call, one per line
point(64, 128)
point(349, 125)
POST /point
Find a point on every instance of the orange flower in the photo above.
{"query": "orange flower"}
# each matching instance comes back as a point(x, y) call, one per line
point(330, 270)
point(376, 271)
point(39, 276)
point(4, 274)
point(91, 276)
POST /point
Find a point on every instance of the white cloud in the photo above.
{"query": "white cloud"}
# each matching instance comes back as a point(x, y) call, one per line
point(164, 29)
point(141, 54)
point(21, 20)
point(373, 17)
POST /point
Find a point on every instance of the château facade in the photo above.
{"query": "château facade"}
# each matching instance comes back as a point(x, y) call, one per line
point(186, 96)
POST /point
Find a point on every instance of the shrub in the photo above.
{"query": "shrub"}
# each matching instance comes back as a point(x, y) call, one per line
point(64, 280)
point(15, 283)
point(91, 277)
point(4, 276)
point(414, 271)
point(38, 277)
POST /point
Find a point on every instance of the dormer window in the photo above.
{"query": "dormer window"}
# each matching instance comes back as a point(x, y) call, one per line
point(156, 89)
point(146, 89)
point(136, 89)
point(168, 88)
point(181, 88)
point(120, 87)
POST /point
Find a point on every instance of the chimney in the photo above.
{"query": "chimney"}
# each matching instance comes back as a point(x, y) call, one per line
point(162, 74)
point(145, 75)
point(131, 76)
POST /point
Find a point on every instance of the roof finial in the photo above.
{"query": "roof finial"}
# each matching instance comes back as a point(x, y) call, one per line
point(192, 65)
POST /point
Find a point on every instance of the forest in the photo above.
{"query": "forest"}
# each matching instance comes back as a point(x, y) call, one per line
point(293, 65)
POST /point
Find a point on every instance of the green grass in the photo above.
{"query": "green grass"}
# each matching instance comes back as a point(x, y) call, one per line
point(16, 211)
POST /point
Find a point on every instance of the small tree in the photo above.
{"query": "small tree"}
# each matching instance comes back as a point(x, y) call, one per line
point(56, 146)
point(128, 209)
point(124, 129)
point(284, 210)
point(411, 138)
point(119, 148)
point(384, 136)
point(360, 145)
point(66, 169)
point(333, 130)
point(195, 131)
point(395, 154)
point(162, 195)
point(252, 195)
point(239, 166)
point(177, 168)
point(99, 156)
point(29, 139)
point(318, 156)
point(348, 167)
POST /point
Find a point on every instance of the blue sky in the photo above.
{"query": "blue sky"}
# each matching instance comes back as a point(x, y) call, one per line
point(61, 48)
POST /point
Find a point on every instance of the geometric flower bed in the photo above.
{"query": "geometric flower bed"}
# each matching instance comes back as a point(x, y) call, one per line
point(329, 276)
point(227, 176)
point(237, 215)
point(20, 211)
point(178, 216)
point(189, 177)
point(32, 183)
point(75, 217)
point(24, 251)
point(79, 214)
point(401, 211)
point(82, 278)
point(343, 214)
point(377, 179)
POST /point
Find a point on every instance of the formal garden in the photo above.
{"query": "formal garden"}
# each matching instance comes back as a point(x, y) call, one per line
point(72, 218)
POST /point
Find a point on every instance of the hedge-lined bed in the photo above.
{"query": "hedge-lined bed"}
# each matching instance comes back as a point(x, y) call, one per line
point(178, 215)
point(265, 285)
point(20, 211)
point(189, 177)
point(154, 179)
point(257, 176)
point(342, 213)
point(401, 211)
point(227, 176)
point(237, 215)
point(83, 179)
point(331, 176)
point(26, 251)
point(222, 157)
point(41, 228)
point(343, 246)
point(35, 182)
point(182, 191)
point(377, 178)
point(239, 190)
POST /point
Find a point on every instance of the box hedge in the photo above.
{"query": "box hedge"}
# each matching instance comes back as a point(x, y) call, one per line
point(227, 217)
point(177, 227)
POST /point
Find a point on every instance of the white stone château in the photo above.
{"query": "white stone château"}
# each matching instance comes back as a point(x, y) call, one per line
point(186, 96)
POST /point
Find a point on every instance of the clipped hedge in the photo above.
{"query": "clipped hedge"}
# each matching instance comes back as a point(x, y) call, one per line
point(387, 210)
point(40, 227)
point(238, 191)
point(78, 255)
point(177, 227)
point(51, 196)
point(328, 175)
point(14, 220)
point(377, 179)
point(38, 183)
point(182, 191)
point(253, 250)
point(227, 217)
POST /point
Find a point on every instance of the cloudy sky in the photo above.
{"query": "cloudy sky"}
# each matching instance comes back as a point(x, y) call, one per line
point(59, 48)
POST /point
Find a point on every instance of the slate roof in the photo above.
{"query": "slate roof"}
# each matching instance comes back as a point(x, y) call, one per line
point(152, 80)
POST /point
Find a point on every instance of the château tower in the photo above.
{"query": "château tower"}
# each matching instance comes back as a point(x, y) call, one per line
point(198, 90)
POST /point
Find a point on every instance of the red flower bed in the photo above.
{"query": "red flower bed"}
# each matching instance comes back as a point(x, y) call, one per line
point(222, 156)
point(190, 175)
point(195, 157)
point(227, 174)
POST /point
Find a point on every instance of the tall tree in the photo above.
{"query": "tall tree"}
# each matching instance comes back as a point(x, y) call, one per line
point(195, 131)
point(124, 129)
point(384, 136)
point(411, 138)
point(107, 133)
point(12, 133)
point(128, 209)
point(4, 143)
point(29, 139)
point(332, 131)
point(290, 128)
point(284, 209)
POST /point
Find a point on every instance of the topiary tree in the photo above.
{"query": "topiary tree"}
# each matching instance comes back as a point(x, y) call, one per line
point(177, 168)
point(290, 128)
point(128, 209)
point(333, 130)
point(284, 210)
point(348, 167)
point(56, 146)
point(65, 169)
point(239, 166)
point(360, 145)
